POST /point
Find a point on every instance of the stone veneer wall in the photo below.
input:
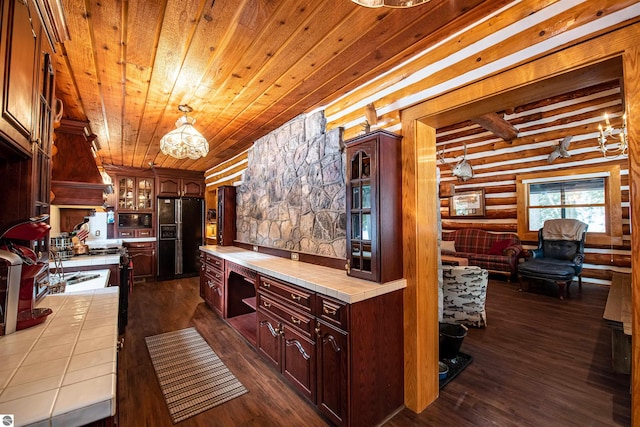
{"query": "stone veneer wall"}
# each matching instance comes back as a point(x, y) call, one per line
point(292, 195)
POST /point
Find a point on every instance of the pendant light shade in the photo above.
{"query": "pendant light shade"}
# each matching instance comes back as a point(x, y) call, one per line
point(390, 3)
point(184, 141)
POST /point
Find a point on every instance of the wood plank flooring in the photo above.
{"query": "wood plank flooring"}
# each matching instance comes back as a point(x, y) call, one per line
point(541, 361)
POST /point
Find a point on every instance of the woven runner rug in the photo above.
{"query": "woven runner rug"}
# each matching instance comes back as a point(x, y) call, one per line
point(192, 377)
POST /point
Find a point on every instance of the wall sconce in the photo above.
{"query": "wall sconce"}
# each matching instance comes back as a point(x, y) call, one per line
point(390, 3)
point(185, 141)
point(609, 131)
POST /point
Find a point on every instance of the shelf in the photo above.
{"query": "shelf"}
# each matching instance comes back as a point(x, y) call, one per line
point(246, 325)
point(251, 302)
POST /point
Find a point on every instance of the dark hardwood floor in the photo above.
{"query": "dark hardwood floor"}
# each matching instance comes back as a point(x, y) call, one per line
point(540, 362)
point(167, 306)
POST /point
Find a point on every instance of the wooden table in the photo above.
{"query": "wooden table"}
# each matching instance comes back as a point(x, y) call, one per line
point(452, 260)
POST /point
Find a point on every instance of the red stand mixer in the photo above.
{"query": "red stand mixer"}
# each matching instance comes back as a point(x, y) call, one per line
point(25, 231)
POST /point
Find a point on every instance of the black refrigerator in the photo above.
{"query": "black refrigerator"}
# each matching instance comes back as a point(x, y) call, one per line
point(180, 232)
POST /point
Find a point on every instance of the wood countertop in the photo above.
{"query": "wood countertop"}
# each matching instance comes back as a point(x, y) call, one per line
point(328, 281)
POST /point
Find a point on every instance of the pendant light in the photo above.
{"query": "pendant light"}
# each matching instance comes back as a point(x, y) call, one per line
point(185, 141)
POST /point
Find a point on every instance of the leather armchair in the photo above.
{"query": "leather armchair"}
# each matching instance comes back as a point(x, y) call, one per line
point(557, 260)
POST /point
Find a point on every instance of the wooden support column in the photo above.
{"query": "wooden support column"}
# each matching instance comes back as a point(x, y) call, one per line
point(420, 233)
point(631, 66)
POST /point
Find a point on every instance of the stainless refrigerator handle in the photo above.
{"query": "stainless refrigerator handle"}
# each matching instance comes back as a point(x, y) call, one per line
point(178, 268)
point(179, 218)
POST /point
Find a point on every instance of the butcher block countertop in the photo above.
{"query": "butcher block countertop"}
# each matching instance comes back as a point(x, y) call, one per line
point(63, 372)
point(325, 280)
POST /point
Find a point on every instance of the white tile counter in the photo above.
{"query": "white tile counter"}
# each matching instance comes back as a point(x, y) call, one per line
point(63, 371)
point(89, 261)
point(88, 285)
point(329, 281)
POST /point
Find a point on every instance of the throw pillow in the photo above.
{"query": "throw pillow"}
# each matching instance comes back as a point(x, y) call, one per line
point(448, 245)
point(499, 246)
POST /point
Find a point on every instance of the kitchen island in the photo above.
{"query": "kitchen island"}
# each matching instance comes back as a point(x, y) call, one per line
point(63, 371)
point(336, 339)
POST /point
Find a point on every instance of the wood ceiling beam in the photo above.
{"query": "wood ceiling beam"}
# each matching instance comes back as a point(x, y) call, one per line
point(496, 125)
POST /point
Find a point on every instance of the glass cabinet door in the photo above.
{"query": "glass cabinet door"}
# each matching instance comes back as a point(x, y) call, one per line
point(360, 212)
point(135, 193)
point(374, 206)
point(126, 193)
point(145, 194)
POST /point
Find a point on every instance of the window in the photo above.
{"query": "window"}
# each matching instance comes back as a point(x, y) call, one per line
point(591, 195)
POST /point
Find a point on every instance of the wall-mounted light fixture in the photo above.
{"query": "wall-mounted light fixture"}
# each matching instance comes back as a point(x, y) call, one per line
point(609, 131)
point(185, 141)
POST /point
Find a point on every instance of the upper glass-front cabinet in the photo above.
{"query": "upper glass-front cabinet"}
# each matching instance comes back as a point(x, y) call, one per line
point(374, 227)
point(360, 211)
point(135, 193)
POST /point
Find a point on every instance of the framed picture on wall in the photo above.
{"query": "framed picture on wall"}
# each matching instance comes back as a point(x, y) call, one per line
point(467, 203)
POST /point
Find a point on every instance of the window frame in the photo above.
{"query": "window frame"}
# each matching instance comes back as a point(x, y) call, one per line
point(613, 207)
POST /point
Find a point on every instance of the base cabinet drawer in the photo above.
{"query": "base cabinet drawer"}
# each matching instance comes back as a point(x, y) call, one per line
point(212, 288)
point(214, 293)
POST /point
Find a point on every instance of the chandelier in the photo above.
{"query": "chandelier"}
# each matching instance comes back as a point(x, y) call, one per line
point(390, 3)
point(185, 141)
point(609, 131)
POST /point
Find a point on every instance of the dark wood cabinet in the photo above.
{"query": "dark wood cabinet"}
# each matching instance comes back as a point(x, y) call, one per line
point(286, 336)
point(333, 373)
point(135, 193)
point(143, 256)
point(133, 202)
point(374, 206)
point(180, 187)
point(179, 183)
point(347, 359)
point(226, 215)
point(212, 288)
point(21, 37)
point(27, 78)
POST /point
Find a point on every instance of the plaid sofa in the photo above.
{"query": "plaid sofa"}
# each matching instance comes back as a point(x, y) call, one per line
point(496, 252)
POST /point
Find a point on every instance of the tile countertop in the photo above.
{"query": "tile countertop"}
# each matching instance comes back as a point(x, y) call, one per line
point(63, 371)
point(329, 281)
point(88, 260)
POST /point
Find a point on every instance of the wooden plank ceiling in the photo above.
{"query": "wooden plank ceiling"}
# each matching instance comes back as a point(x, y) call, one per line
point(244, 66)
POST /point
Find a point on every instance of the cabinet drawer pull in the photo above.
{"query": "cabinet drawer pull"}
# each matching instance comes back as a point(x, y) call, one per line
point(295, 321)
point(218, 276)
point(329, 311)
point(295, 297)
point(266, 285)
point(266, 304)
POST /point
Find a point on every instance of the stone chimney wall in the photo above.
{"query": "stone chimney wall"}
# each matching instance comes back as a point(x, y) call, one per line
point(292, 194)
